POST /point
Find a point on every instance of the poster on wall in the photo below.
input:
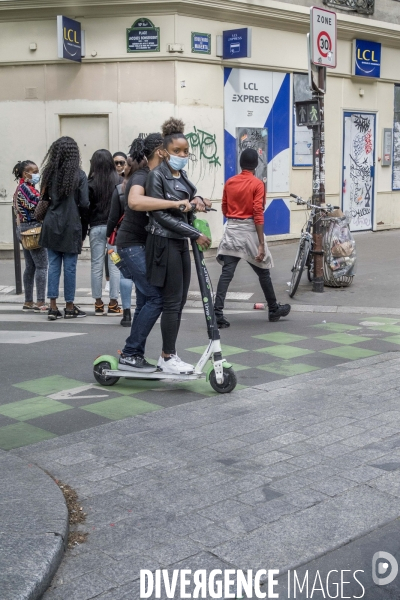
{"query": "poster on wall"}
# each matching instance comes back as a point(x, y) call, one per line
point(396, 139)
point(255, 138)
point(260, 101)
point(302, 137)
point(358, 169)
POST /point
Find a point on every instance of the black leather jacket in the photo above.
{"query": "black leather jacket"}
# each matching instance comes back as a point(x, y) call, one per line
point(170, 223)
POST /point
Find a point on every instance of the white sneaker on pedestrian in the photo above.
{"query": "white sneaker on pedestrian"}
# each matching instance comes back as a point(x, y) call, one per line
point(175, 366)
point(107, 286)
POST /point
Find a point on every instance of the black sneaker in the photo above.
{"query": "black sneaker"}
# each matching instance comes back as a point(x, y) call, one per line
point(53, 314)
point(126, 320)
point(222, 322)
point(282, 310)
point(135, 363)
point(75, 313)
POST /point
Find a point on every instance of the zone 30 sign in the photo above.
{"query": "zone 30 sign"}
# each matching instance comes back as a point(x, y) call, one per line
point(323, 37)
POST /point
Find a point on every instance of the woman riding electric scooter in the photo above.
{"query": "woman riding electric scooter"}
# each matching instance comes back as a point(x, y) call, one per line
point(167, 250)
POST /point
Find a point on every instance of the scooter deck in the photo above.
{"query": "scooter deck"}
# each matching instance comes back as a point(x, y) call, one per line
point(155, 375)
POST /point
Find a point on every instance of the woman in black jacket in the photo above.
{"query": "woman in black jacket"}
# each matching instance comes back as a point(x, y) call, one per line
point(103, 178)
point(64, 186)
point(167, 250)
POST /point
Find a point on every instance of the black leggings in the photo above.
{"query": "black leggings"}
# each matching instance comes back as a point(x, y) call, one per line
point(174, 292)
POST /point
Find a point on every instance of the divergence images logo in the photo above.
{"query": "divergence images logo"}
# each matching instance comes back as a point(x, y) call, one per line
point(384, 568)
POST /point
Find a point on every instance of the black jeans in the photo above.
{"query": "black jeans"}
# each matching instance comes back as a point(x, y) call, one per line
point(174, 292)
point(228, 271)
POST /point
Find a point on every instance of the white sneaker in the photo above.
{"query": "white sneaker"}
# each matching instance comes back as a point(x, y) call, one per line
point(107, 286)
point(175, 366)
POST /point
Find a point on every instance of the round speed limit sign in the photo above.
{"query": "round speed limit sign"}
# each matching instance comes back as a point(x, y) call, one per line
point(323, 37)
point(324, 44)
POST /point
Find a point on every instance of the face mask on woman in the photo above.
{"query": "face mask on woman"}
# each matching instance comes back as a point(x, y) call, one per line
point(35, 178)
point(176, 162)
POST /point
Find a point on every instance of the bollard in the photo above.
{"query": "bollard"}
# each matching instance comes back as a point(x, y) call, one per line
point(17, 256)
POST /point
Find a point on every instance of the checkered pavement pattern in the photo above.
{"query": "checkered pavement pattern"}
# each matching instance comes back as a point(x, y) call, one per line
point(37, 412)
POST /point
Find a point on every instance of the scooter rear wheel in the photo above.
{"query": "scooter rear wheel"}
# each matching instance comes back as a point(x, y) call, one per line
point(229, 383)
point(103, 379)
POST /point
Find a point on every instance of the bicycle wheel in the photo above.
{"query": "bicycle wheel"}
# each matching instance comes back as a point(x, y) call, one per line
point(298, 267)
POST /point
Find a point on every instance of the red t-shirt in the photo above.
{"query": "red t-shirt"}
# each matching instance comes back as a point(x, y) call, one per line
point(244, 198)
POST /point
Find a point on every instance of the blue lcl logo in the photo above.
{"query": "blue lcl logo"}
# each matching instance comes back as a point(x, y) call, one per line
point(367, 59)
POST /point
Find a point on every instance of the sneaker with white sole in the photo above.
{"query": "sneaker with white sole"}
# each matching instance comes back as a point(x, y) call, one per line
point(135, 363)
point(174, 366)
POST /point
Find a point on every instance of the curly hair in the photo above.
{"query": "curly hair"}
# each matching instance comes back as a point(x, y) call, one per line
point(103, 178)
point(172, 129)
point(20, 167)
point(145, 148)
point(61, 166)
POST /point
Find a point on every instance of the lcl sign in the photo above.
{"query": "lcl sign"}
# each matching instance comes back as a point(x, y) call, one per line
point(70, 39)
point(366, 58)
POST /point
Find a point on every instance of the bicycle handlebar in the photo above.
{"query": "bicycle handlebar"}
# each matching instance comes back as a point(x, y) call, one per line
point(326, 208)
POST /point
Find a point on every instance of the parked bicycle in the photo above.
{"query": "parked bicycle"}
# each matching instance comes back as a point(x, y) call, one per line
point(305, 252)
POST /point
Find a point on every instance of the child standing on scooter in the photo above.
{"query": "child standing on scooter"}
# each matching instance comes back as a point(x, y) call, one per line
point(167, 250)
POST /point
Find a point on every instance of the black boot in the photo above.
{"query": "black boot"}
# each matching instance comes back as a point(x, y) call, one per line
point(222, 322)
point(281, 310)
point(126, 320)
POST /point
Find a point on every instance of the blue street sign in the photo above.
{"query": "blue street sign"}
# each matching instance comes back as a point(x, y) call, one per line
point(237, 43)
point(367, 59)
point(69, 38)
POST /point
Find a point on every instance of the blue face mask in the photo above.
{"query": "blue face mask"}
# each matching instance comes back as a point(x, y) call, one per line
point(35, 178)
point(176, 162)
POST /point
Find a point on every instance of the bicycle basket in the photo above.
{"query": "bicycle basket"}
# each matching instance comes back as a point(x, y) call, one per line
point(339, 252)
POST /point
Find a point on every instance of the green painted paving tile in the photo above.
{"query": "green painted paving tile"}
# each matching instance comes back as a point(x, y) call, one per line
point(226, 350)
point(393, 339)
point(343, 338)
point(336, 327)
point(287, 352)
point(350, 352)
point(237, 367)
point(279, 337)
point(49, 385)
point(126, 386)
point(120, 408)
point(287, 368)
point(383, 320)
point(386, 328)
point(23, 410)
point(22, 434)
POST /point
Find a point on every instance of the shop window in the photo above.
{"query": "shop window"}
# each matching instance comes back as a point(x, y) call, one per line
point(363, 7)
point(396, 139)
point(302, 137)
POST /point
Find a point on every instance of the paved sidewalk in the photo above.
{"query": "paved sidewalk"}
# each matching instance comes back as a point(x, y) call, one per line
point(267, 477)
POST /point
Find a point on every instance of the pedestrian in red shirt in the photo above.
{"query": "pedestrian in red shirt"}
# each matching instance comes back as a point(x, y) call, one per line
point(243, 204)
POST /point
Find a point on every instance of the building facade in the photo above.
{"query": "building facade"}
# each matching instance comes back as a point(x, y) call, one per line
point(116, 94)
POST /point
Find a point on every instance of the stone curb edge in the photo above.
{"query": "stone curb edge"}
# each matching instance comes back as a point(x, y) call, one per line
point(238, 305)
point(34, 528)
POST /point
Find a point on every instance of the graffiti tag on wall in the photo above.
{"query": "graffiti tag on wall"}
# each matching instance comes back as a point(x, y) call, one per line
point(204, 156)
point(361, 144)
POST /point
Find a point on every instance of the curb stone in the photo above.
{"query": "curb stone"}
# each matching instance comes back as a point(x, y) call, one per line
point(33, 529)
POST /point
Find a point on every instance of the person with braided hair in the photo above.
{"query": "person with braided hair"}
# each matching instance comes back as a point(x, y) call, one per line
point(144, 155)
point(26, 199)
point(167, 250)
point(64, 188)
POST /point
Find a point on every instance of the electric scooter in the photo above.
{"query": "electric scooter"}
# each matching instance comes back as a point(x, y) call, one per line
point(219, 374)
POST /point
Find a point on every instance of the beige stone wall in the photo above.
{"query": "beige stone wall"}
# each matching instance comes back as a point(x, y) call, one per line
point(137, 92)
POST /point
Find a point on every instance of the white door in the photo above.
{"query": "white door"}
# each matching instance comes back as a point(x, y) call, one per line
point(91, 133)
point(359, 169)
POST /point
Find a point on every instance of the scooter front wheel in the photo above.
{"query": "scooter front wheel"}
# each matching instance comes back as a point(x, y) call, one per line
point(100, 377)
point(229, 383)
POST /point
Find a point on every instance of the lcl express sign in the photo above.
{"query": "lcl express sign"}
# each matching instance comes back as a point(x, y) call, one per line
point(367, 59)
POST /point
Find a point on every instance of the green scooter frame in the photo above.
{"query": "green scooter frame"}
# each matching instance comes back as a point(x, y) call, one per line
point(220, 373)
